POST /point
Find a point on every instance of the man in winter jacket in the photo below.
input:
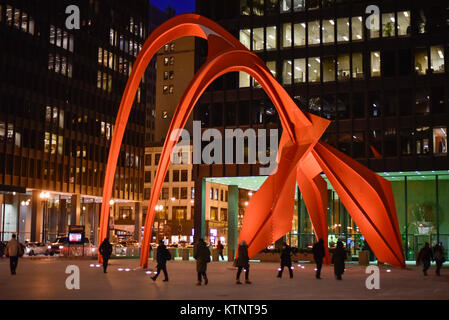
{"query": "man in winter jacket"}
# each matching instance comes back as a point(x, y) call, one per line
point(13, 251)
point(162, 256)
point(286, 260)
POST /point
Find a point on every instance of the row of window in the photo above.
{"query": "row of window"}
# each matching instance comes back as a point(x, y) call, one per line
point(121, 41)
point(61, 38)
point(168, 89)
point(346, 66)
point(326, 31)
point(177, 193)
point(114, 62)
point(214, 194)
point(60, 64)
point(7, 134)
point(177, 176)
point(14, 17)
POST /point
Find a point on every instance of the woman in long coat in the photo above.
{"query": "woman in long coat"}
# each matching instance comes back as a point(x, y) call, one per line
point(202, 257)
point(243, 262)
point(338, 259)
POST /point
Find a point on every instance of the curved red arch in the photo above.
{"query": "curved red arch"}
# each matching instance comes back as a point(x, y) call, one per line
point(269, 212)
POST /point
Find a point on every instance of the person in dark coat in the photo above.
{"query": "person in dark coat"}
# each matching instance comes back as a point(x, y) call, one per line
point(438, 255)
point(105, 251)
point(242, 262)
point(338, 259)
point(202, 257)
point(425, 256)
point(220, 248)
point(162, 256)
point(286, 260)
point(318, 255)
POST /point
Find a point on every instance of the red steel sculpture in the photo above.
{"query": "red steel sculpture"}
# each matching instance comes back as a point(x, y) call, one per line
point(301, 158)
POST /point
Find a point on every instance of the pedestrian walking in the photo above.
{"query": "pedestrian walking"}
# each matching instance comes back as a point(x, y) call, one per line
point(242, 262)
point(202, 257)
point(286, 260)
point(220, 248)
point(338, 259)
point(425, 256)
point(105, 251)
point(13, 250)
point(318, 255)
point(438, 255)
point(162, 256)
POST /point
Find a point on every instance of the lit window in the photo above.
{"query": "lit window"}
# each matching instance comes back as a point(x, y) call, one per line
point(343, 67)
point(271, 65)
point(342, 29)
point(388, 22)
point(314, 32)
point(299, 5)
point(271, 38)
point(166, 61)
point(299, 71)
point(403, 26)
point(374, 26)
point(258, 7)
point(357, 66)
point(314, 69)
point(437, 59)
point(421, 61)
point(287, 35)
point(244, 79)
point(165, 89)
point(440, 140)
point(245, 38)
point(375, 64)
point(286, 5)
point(287, 72)
point(258, 39)
point(172, 60)
point(299, 34)
point(245, 8)
point(328, 69)
point(328, 31)
point(357, 28)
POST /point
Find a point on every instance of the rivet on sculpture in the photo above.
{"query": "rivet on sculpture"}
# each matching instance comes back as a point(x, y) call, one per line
point(302, 158)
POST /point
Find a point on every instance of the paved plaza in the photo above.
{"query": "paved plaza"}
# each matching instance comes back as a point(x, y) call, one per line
point(45, 279)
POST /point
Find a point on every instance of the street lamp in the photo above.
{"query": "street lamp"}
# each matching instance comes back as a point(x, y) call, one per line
point(45, 196)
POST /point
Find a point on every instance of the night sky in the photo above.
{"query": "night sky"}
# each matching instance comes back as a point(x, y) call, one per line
point(180, 6)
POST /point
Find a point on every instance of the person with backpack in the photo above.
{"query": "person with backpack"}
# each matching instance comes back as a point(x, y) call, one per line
point(425, 256)
point(13, 250)
point(220, 248)
point(162, 256)
point(286, 260)
point(105, 251)
point(438, 255)
point(202, 257)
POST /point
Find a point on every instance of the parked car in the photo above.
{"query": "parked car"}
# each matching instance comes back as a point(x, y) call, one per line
point(36, 248)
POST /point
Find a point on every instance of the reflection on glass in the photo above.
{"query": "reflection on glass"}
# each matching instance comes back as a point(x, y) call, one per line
point(437, 59)
point(299, 34)
point(314, 69)
point(440, 140)
point(286, 5)
point(314, 32)
point(342, 29)
point(271, 38)
point(328, 31)
point(287, 72)
point(245, 38)
point(421, 61)
point(299, 5)
point(287, 35)
point(388, 24)
point(258, 40)
point(299, 71)
point(258, 7)
point(343, 67)
point(375, 64)
point(328, 69)
point(357, 28)
point(403, 26)
point(357, 66)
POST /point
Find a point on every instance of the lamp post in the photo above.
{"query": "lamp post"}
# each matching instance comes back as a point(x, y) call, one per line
point(45, 196)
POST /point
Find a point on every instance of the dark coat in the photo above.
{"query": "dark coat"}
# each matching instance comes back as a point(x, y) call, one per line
point(220, 248)
point(286, 256)
point(338, 259)
point(425, 255)
point(105, 250)
point(318, 252)
point(162, 255)
point(202, 256)
point(438, 254)
point(243, 259)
